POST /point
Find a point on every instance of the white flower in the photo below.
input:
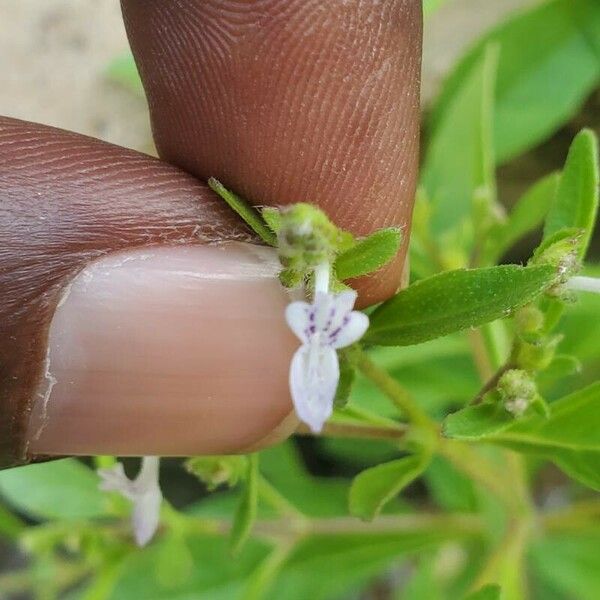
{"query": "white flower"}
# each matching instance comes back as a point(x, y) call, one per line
point(143, 491)
point(323, 326)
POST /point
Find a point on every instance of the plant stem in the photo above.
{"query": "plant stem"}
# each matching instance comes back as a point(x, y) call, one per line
point(279, 502)
point(392, 389)
point(505, 564)
point(359, 431)
point(385, 524)
point(480, 355)
point(491, 383)
point(468, 461)
point(576, 516)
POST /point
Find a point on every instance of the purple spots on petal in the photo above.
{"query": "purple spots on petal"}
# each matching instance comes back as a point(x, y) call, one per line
point(334, 334)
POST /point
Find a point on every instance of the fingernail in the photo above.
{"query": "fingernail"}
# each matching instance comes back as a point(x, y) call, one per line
point(166, 351)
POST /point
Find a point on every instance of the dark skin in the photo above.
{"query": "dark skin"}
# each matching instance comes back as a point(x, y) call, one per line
point(299, 101)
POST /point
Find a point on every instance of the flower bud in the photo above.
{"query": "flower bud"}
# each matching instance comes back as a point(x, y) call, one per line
point(537, 356)
point(529, 319)
point(215, 471)
point(517, 391)
point(306, 238)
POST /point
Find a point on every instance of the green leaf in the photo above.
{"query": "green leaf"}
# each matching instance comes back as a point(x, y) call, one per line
point(455, 300)
point(476, 422)
point(314, 496)
point(569, 436)
point(576, 203)
point(574, 424)
point(10, 525)
point(64, 489)
point(489, 592)
point(459, 159)
point(248, 213)
point(174, 562)
point(549, 64)
point(450, 489)
point(262, 578)
point(569, 563)
point(329, 566)
point(214, 576)
point(123, 70)
point(376, 486)
point(526, 216)
point(368, 254)
point(247, 508)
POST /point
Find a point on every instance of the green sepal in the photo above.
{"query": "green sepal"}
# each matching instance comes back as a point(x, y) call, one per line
point(290, 278)
point(215, 471)
point(248, 213)
point(272, 217)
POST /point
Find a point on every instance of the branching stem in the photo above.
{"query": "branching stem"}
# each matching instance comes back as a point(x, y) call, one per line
point(392, 389)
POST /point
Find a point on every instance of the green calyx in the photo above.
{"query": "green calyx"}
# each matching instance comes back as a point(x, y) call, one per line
point(517, 391)
point(305, 238)
point(215, 471)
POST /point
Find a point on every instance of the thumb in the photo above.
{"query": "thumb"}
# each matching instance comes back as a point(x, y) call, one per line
point(290, 102)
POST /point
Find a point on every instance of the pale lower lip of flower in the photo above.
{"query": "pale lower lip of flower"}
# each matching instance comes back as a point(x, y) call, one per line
point(167, 351)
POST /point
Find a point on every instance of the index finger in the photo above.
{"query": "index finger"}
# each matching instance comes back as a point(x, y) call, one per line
point(299, 101)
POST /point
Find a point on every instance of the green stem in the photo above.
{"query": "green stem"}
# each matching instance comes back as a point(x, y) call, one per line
point(577, 516)
point(492, 382)
point(458, 524)
point(505, 566)
point(260, 581)
point(277, 501)
point(480, 355)
point(470, 462)
point(392, 389)
point(358, 431)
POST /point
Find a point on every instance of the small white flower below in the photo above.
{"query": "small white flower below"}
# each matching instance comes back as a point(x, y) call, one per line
point(324, 326)
point(143, 491)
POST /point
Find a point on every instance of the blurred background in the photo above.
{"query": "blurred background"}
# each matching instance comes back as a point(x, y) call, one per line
point(54, 56)
point(66, 63)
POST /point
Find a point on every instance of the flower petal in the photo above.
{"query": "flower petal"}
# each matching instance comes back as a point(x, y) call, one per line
point(344, 301)
point(338, 308)
point(297, 315)
point(146, 515)
point(314, 375)
point(144, 492)
point(323, 310)
point(351, 331)
point(115, 480)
